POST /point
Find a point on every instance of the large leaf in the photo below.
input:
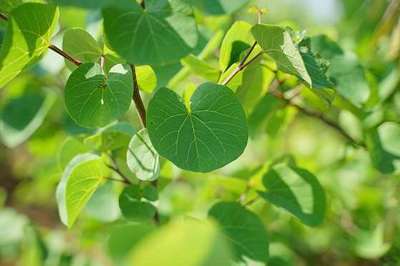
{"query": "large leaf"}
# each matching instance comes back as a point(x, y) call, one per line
point(94, 99)
point(28, 36)
point(182, 243)
point(159, 35)
point(209, 134)
point(80, 179)
point(279, 45)
point(297, 191)
point(243, 229)
point(22, 116)
point(141, 157)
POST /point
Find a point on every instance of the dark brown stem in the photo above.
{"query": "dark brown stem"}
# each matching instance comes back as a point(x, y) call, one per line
point(118, 171)
point(64, 54)
point(117, 180)
point(242, 64)
point(137, 99)
point(143, 4)
point(278, 94)
point(3, 17)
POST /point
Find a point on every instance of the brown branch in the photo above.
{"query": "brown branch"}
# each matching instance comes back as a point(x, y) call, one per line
point(137, 99)
point(143, 4)
point(242, 64)
point(118, 171)
point(3, 17)
point(278, 94)
point(64, 54)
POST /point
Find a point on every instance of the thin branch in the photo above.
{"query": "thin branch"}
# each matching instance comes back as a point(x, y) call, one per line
point(278, 94)
point(242, 64)
point(53, 47)
point(64, 54)
point(143, 4)
point(118, 171)
point(117, 180)
point(137, 99)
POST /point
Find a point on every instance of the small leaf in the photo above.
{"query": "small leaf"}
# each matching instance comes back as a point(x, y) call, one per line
point(297, 191)
point(159, 35)
point(80, 179)
point(141, 157)
point(146, 78)
point(82, 46)
point(243, 229)
point(133, 208)
point(278, 44)
point(210, 135)
point(195, 243)
point(22, 116)
point(29, 30)
point(94, 99)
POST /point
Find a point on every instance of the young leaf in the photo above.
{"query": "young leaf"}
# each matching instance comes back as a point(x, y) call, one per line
point(182, 243)
point(201, 68)
point(208, 136)
point(133, 208)
point(141, 157)
point(159, 35)
point(146, 78)
point(80, 180)
point(94, 99)
point(22, 116)
point(29, 30)
point(278, 44)
point(297, 191)
point(244, 229)
point(82, 46)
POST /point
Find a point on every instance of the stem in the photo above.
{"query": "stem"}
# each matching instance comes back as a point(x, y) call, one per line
point(124, 178)
point(242, 64)
point(143, 4)
point(52, 47)
point(273, 90)
point(64, 54)
point(117, 180)
point(137, 99)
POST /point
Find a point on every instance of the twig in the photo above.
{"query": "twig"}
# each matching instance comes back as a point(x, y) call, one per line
point(137, 99)
point(143, 4)
point(273, 90)
point(242, 64)
point(117, 180)
point(64, 54)
point(118, 171)
point(53, 47)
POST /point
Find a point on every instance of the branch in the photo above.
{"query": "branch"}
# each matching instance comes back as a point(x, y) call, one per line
point(137, 99)
point(273, 90)
point(118, 171)
point(242, 64)
point(52, 47)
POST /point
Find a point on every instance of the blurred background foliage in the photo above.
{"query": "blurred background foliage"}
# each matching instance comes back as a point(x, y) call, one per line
point(362, 221)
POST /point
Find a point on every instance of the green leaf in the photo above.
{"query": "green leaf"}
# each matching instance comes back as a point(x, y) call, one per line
point(237, 39)
point(141, 157)
point(8, 5)
point(264, 108)
point(29, 30)
point(22, 116)
point(69, 149)
point(279, 45)
point(103, 205)
point(297, 191)
point(243, 229)
point(133, 208)
point(82, 46)
point(94, 99)
point(201, 68)
point(210, 135)
point(220, 7)
point(235, 83)
point(195, 243)
point(124, 237)
point(159, 35)
point(146, 78)
point(80, 179)
point(112, 137)
point(84, 3)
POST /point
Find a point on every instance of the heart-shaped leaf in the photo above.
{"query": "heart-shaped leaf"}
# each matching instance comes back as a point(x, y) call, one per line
point(141, 157)
point(94, 99)
point(161, 34)
point(209, 134)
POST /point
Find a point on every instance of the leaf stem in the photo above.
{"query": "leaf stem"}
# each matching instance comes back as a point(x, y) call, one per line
point(52, 47)
point(278, 94)
point(242, 64)
point(118, 171)
point(137, 99)
point(64, 54)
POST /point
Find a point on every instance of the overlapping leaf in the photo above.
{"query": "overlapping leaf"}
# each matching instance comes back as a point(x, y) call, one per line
point(212, 133)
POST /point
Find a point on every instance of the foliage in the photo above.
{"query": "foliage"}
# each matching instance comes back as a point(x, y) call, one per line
point(179, 132)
